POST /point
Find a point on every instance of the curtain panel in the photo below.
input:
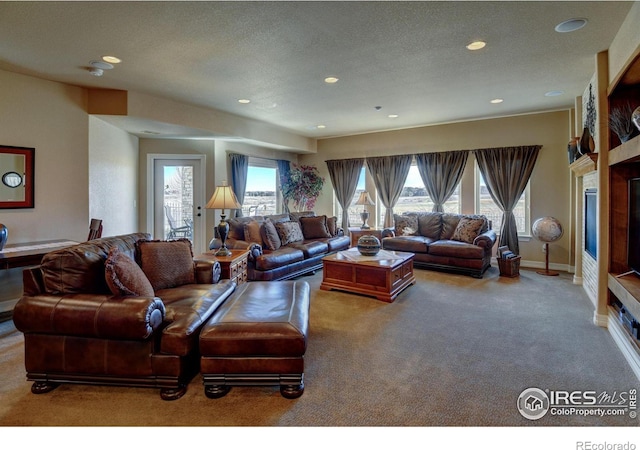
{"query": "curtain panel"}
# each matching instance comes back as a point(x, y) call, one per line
point(344, 175)
point(239, 170)
point(389, 175)
point(506, 172)
point(284, 166)
point(441, 172)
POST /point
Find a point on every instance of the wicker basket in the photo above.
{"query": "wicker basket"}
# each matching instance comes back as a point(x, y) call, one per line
point(509, 267)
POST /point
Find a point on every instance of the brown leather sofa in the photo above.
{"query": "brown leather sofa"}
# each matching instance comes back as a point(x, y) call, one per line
point(441, 241)
point(284, 246)
point(89, 317)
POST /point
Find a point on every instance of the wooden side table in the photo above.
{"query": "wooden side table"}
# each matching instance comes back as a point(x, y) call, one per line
point(233, 267)
point(357, 232)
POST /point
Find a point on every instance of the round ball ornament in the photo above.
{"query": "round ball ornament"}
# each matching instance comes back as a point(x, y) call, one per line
point(547, 229)
point(368, 245)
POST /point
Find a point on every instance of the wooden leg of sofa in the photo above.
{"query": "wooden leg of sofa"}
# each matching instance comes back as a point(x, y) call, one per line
point(172, 393)
point(42, 387)
point(216, 391)
point(292, 391)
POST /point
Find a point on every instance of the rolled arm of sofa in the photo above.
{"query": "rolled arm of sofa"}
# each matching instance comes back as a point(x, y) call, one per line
point(207, 271)
point(486, 239)
point(90, 315)
point(388, 232)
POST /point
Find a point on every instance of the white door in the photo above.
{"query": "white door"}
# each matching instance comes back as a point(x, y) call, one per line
point(177, 201)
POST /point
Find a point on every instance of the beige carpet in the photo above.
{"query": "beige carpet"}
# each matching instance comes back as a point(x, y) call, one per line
point(450, 351)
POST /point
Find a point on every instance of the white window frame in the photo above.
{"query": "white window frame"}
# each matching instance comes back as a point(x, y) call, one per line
point(269, 164)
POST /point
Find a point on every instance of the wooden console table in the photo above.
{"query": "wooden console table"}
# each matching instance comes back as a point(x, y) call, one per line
point(357, 232)
point(233, 267)
point(29, 253)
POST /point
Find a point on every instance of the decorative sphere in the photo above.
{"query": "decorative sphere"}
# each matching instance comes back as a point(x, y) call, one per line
point(368, 245)
point(547, 229)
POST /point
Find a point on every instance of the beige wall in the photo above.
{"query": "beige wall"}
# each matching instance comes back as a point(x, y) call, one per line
point(113, 178)
point(51, 118)
point(550, 179)
point(626, 43)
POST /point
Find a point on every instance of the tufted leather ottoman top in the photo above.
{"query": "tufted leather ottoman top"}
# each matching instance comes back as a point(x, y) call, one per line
point(261, 318)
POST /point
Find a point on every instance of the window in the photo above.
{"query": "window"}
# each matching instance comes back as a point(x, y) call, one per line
point(261, 197)
point(354, 210)
point(414, 197)
point(486, 206)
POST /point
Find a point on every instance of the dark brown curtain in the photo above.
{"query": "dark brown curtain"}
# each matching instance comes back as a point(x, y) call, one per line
point(389, 175)
point(441, 172)
point(506, 172)
point(344, 175)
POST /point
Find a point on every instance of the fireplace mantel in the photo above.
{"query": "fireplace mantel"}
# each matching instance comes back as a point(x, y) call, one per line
point(585, 164)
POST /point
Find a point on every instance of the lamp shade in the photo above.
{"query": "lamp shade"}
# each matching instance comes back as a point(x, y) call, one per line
point(364, 199)
point(223, 198)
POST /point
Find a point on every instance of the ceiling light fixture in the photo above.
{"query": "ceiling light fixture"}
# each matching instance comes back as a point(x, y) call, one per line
point(553, 93)
point(476, 45)
point(244, 101)
point(495, 101)
point(392, 116)
point(321, 127)
point(96, 72)
point(570, 25)
point(101, 65)
point(331, 80)
point(111, 59)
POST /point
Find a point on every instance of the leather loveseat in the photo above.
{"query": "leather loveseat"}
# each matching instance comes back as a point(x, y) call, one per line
point(442, 241)
point(284, 246)
point(121, 311)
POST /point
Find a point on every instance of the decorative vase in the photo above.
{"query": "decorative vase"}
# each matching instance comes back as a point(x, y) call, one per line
point(635, 117)
point(4, 235)
point(368, 245)
point(572, 148)
point(586, 144)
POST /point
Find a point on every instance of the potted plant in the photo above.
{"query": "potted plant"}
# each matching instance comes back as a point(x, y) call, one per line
point(303, 186)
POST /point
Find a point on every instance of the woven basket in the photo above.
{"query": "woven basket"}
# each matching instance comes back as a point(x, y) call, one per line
point(509, 267)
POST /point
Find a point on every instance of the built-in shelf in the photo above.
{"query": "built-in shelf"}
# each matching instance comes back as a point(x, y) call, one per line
point(626, 288)
point(626, 152)
point(585, 164)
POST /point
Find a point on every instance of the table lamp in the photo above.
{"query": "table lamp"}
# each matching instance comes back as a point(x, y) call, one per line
point(364, 200)
point(223, 198)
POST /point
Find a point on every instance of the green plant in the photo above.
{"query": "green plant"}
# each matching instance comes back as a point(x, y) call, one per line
point(303, 186)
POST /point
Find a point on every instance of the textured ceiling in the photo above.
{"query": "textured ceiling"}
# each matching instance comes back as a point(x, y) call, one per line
point(407, 57)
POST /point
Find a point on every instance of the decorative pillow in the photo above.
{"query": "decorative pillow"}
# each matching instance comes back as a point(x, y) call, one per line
point(166, 263)
point(289, 232)
point(297, 215)
point(314, 227)
point(430, 224)
point(270, 235)
point(125, 277)
point(236, 227)
point(252, 232)
point(332, 225)
point(406, 224)
point(468, 229)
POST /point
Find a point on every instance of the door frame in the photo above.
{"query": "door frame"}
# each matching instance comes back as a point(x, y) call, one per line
point(151, 159)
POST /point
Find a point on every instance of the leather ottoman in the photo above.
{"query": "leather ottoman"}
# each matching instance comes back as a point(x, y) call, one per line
point(258, 337)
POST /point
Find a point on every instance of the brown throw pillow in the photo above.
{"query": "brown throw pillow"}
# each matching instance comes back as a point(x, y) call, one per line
point(406, 224)
point(166, 263)
point(314, 227)
point(252, 232)
point(270, 235)
point(332, 225)
point(289, 232)
point(468, 229)
point(125, 277)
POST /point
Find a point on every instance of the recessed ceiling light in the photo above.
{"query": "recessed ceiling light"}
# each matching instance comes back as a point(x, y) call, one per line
point(392, 116)
point(244, 101)
point(497, 100)
point(331, 80)
point(96, 72)
point(101, 65)
point(476, 45)
point(321, 127)
point(553, 93)
point(570, 25)
point(111, 59)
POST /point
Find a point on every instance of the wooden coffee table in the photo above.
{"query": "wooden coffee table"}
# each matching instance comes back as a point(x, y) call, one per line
point(383, 276)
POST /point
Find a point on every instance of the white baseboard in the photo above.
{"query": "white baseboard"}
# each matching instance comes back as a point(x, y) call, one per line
point(577, 280)
point(622, 340)
point(542, 265)
point(602, 320)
